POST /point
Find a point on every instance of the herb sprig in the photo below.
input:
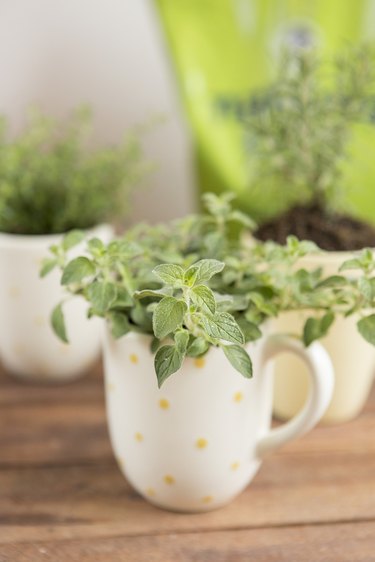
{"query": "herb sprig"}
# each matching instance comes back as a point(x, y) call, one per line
point(202, 281)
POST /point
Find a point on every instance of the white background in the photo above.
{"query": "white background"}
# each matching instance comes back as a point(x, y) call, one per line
point(111, 54)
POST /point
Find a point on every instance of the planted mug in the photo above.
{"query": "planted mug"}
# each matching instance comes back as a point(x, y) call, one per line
point(197, 442)
point(28, 346)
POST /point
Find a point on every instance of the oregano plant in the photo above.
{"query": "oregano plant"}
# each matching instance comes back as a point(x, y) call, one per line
point(203, 282)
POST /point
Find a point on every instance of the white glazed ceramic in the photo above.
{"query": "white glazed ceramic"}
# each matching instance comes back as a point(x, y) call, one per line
point(197, 442)
point(28, 346)
point(353, 358)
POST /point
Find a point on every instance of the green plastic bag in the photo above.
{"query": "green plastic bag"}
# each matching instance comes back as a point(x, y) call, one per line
point(226, 50)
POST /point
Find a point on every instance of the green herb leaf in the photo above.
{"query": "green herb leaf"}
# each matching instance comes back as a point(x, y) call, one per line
point(72, 238)
point(119, 324)
point(168, 360)
point(222, 326)
point(249, 329)
point(77, 270)
point(102, 294)
point(181, 339)
point(203, 270)
point(157, 293)
point(95, 246)
point(204, 298)
point(58, 323)
point(199, 346)
point(366, 288)
point(168, 316)
point(169, 273)
point(351, 264)
point(239, 359)
point(47, 266)
point(366, 327)
point(316, 328)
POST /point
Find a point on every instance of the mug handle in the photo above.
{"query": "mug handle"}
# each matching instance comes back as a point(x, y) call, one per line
point(322, 384)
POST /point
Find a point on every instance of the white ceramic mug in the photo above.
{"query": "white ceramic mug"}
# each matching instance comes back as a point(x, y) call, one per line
point(28, 346)
point(197, 442)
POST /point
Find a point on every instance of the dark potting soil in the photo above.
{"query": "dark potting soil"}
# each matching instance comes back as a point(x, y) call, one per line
point(332, 232)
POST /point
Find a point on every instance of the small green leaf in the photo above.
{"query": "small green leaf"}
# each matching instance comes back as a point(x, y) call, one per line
point(168, 316)
point(155, 344)
point(181, 339)
point(157, 293)
point(351, 264)
point(119, 324)
point(169, 273)
point(223, 326)
point(72, 238)
point(366, 327)
point(366, 288)
point(76, 270)
point(249, 329)
point(316, 328)
point(203, 270)
point(204, 298)
point(198, 347)
point(47, 266)
point(332, 281)
point(58, 323)
point(167, 361)
point(123, 299)
point(102, 294)
point(95, 246)
point(243, 219)
point(239, 359)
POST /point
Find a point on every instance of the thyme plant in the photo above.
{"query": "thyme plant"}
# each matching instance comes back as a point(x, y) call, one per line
point(201, 281)
point(300, 135)
point(52, 182)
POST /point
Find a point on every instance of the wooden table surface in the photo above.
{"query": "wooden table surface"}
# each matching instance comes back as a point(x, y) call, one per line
point(62, 497)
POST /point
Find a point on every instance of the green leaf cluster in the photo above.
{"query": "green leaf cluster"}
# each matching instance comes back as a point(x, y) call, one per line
point(171, 282)
point(51, 181)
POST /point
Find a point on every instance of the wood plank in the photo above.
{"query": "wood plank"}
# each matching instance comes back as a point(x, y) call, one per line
point(323, 543)
point(15, 392)
point(67, 431)
point(93, 501)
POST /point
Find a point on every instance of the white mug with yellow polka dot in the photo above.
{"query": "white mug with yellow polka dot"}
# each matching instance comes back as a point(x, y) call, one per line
point(197, 442)
point(28, 346)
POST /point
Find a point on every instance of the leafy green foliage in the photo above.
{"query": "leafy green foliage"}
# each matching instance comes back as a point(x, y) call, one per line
point(300, 135)
point(52, 182)
point(164, 281)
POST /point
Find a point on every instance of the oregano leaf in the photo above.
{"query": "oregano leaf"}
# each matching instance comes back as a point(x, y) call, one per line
point(102, 295)
point(222, 326)
point(239, 359)
point(169, 273)
point(168, 360)
point(203, 270)
point(72, 238)
point(316, 328)
point(168, 316)
point(119, 324)
point(58, 323)
point(77, 270)
point(366, 327)
point(204, 298)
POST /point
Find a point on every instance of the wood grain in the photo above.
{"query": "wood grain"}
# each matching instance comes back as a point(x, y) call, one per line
point(323, 543)
point(62, 496)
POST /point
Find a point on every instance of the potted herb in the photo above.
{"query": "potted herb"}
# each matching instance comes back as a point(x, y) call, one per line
point(51, 183)
point(185, 332)
point(300, 140)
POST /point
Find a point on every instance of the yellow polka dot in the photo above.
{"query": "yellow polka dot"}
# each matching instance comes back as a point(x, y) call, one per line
point(133, 358)
point(235, 466)
point(168, 479)
point(39, 321)
point(207, 499)
point(164, 404)
point(238, 397)
point(199, 362)
point(201, 443)
point(150, 492)
point(14, 292)
point(138, 437)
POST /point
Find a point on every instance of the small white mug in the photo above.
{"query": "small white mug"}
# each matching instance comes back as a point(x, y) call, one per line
point(197, 442)
point(28, 347)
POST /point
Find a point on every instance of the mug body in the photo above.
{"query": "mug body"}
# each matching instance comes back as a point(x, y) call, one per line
point(28, 346)
point(352, 357)
point(189, 446)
